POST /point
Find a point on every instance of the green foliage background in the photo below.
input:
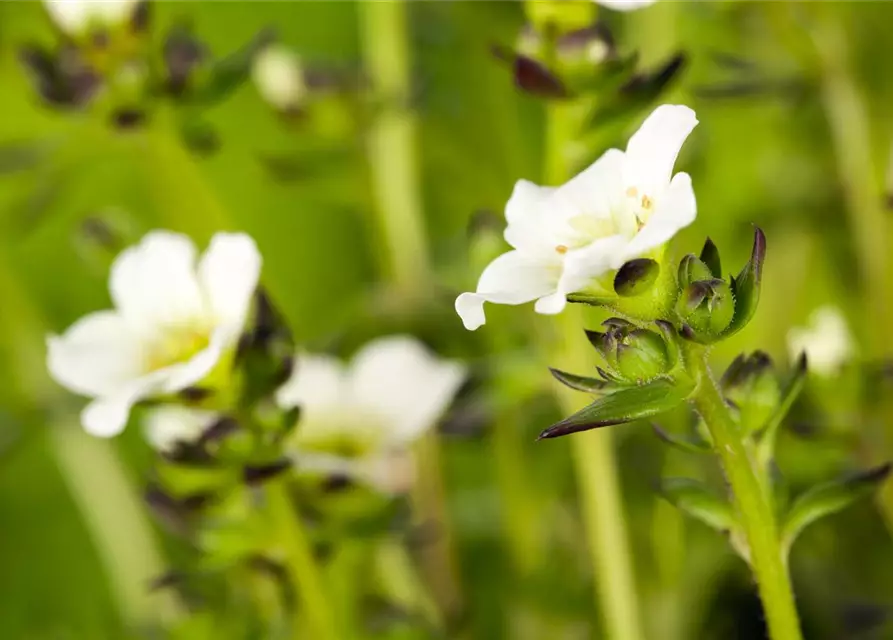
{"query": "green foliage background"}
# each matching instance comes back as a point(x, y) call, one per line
point(795, 137)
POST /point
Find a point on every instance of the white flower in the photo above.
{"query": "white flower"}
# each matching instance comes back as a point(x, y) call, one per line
point(174, 321)
point(625, 5)
point(359, 419)
point(826, 342)
point(170, 425)
point(622, 207)
point(76, 16)
point(279, 78)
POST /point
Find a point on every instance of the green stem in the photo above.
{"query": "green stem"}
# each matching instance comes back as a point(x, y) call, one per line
point(752, 504)
point(300, 564)
point(593, 452)
point(391, 147)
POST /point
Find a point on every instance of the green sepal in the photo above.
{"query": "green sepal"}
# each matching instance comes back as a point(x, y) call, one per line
point(698, 501)
point(828, 498)
point(230, 72)
point(636, 277)
point(683, 443)
point(668, 331)
point(710, 257)
point(746, 285)
point(579, 383)
point(625, 405)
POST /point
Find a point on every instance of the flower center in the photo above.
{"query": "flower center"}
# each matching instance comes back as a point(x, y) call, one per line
point(177, 343)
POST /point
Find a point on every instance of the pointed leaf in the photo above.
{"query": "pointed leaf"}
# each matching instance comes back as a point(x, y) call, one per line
point(636, 277)
point(698, 501)
point(829, 498)
point(579, 383)
point(746, 286)
point(710, 257)
point(625, 405)
point(683, 443)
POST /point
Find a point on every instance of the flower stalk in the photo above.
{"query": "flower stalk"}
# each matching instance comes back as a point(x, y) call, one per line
point(750, 499)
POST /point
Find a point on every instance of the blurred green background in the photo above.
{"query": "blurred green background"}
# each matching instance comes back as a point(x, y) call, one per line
point(795, 129)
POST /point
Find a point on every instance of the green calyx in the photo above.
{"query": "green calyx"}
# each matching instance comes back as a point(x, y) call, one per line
point(632, 354)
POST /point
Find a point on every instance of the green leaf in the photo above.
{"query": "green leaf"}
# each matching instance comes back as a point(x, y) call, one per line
point(746, 286)
point(683, 443)
point(579, 383)
point(625, 405)
point(829, 498)
point(695, 499)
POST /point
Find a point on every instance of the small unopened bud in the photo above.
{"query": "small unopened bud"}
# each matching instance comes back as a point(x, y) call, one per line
point(279, 78)
point(692, 269)
point(751, 384)
point(707, 307)
point(632, 354)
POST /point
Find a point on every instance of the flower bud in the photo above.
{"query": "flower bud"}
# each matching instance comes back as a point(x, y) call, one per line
point(692, 269)
point(279, 77)
point(707, 307)
point(751, 384)
point(632, 354)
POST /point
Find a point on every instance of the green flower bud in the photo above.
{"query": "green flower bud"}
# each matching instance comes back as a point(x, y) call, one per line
point(707, 307)
point(692, 269)
point(750, 384)
point(632, 354)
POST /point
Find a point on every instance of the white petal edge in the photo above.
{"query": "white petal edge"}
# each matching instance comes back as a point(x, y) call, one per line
point(317, 385)
point(401, 381)
point(167, 426)
point(652, 150)
point(513, 278)
point(96, 355)
point(625, 5)
point(228, 273)
point(526, 214)
point(675, 210)
point(153, 284)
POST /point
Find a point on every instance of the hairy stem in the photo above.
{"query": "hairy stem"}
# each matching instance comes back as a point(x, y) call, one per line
point(751, 502)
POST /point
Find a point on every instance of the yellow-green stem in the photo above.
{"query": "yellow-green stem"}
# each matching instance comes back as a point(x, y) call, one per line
point(750, 499)
point(393, 168)
point(593, 452)
point(297, 557)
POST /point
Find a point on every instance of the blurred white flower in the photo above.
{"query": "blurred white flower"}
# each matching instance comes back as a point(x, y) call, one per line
point(622, 207)
point(76, 16)
point(358, 420)
point(279, 78)
point(826, 341)
point(625, 5)
point(174, 320)
point(170, 425)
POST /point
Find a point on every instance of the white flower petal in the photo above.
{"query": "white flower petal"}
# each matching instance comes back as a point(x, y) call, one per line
point(652, 150)
point(181, 375)
point(279, 78)
point(512, 278)
point(551, 304)
point(526, 216)
point(675, 210)
point(229, 272)
point(403, 384)
point(827, 341)
point(592, 261)
point(97, 355)
point(596, 191)
point(153, 284)
point(625, 5)
point(167, 426)
point(317, 385)
point(73, 16)
point(107, 416)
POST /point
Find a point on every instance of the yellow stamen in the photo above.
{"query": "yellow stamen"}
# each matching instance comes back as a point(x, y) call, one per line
point(646, 202)
point(561, 249)
point(632, 192)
